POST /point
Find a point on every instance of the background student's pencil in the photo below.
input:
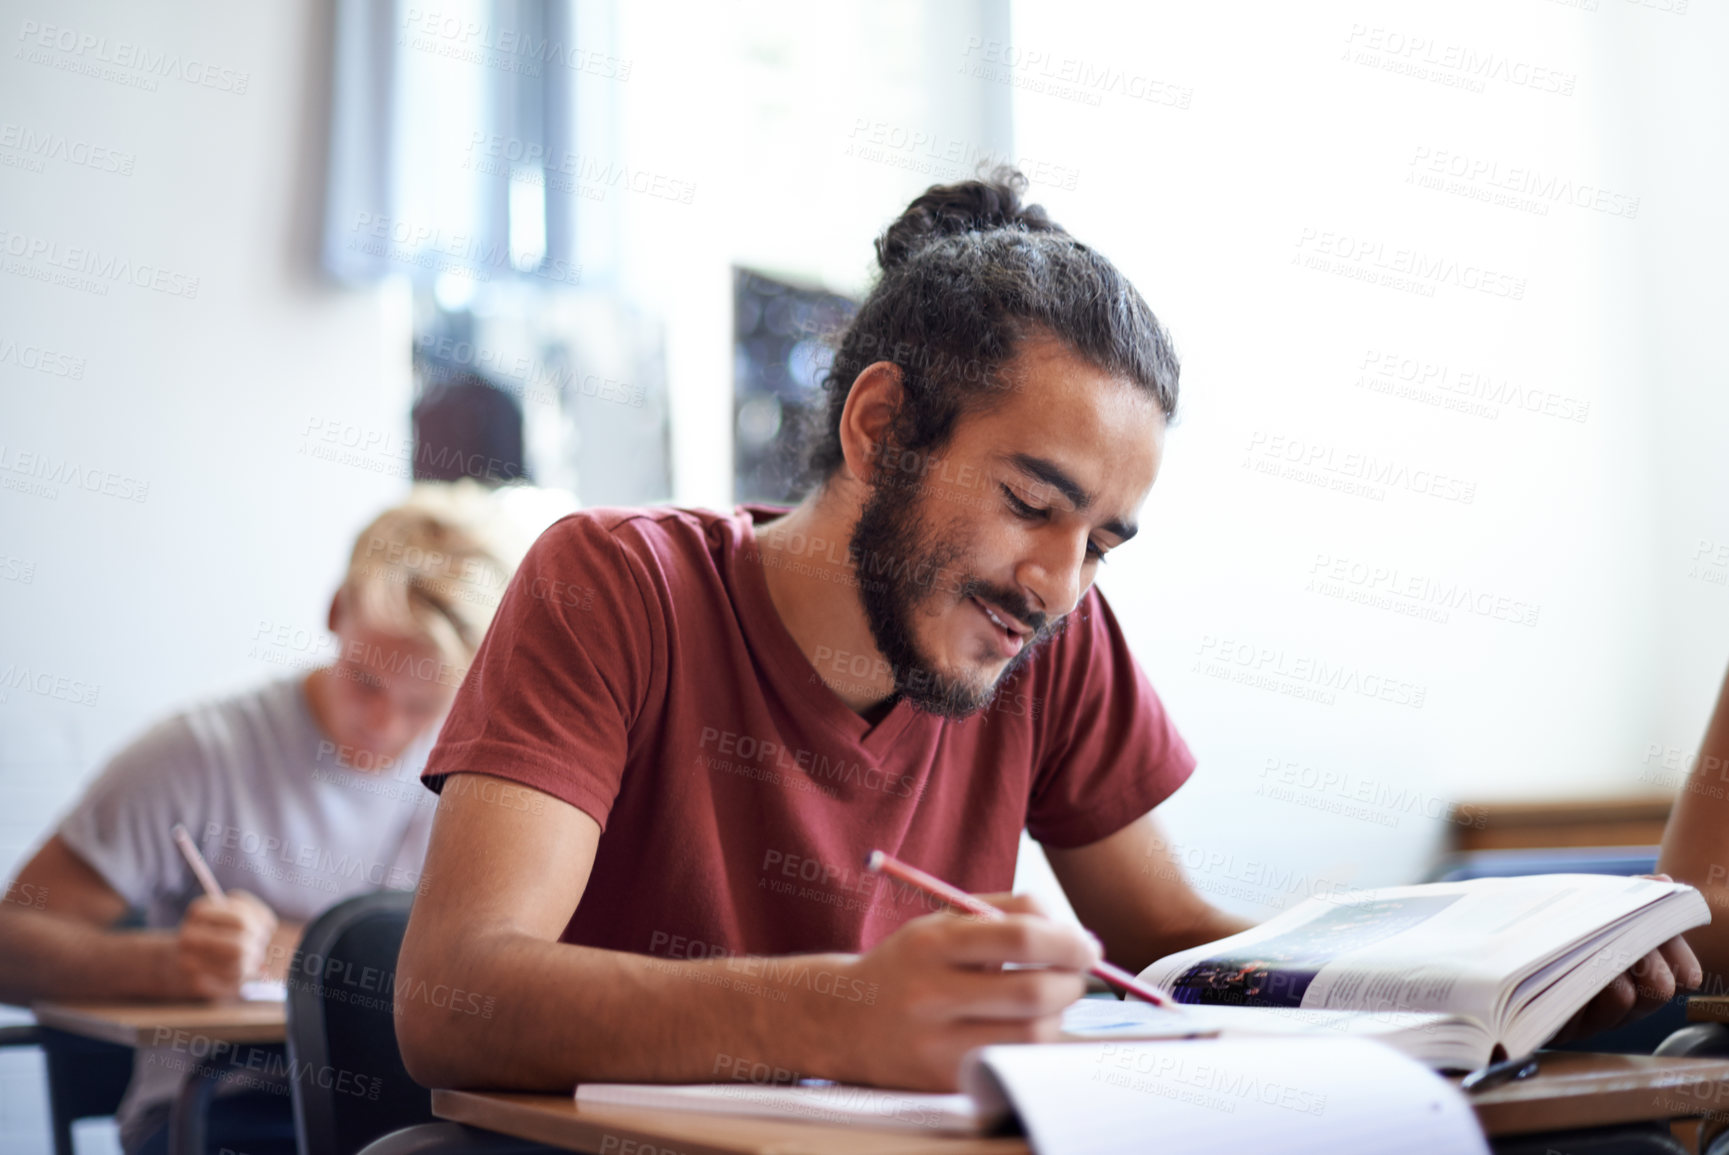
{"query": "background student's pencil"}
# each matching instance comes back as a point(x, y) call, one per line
point(200, 868)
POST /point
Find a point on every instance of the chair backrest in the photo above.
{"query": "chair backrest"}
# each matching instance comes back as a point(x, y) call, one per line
point(349, 1084)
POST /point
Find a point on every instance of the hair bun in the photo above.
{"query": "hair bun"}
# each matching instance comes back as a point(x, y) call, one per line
point(969, 206)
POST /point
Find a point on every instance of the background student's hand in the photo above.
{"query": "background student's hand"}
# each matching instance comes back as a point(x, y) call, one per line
point(1640, 989)
point(222, 944)
point(940, 990)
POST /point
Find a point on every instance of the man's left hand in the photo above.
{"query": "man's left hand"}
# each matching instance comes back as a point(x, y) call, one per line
point(1639, 990)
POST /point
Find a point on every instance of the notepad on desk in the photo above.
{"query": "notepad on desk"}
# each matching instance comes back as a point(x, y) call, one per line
point(1294, 1095)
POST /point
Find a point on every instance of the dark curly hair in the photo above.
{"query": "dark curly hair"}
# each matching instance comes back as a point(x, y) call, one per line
point(967, 273)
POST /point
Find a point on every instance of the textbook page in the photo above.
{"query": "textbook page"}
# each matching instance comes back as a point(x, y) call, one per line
point(1303, 1096)
point(1443, 947)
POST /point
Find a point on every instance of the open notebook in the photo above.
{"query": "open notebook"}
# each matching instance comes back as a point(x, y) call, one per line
point(1305, 1095)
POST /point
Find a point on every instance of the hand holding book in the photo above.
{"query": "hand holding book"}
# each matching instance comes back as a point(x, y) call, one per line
point(1664, 972)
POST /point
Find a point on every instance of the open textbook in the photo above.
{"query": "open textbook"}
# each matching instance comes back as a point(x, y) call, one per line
point(1454, 974)
point(1319, 1096)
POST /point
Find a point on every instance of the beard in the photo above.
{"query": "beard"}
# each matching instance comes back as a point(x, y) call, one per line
point(907, 568)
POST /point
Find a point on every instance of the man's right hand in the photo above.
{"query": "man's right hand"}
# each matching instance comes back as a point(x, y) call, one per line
point(222, 944)
point(941, 991)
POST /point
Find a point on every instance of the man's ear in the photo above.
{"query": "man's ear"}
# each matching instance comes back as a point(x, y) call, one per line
point(868, 418)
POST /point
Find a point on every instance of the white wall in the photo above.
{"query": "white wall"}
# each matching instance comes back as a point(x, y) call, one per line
point(207, 400)
point(1267, 129)
point(805, 129)
point(1674, 124)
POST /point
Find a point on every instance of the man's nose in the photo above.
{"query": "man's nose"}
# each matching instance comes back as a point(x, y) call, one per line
point(1053, 576)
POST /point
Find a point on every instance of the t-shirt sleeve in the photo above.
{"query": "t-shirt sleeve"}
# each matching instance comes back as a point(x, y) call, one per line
point(121, 826)
point(561, 676)
point(1109, 752)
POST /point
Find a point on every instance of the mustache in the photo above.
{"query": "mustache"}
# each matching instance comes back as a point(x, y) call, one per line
point(1009, 602)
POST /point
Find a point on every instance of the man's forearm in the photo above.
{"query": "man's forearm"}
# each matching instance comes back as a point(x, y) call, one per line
point(1695, 846)
point(46, 957)
point(518, 1012)
point(1204, 925)
point(1211, 926)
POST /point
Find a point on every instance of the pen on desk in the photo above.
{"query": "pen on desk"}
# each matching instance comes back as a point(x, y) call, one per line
point(189, 851)
point(1497, 1073)
point(935, 887)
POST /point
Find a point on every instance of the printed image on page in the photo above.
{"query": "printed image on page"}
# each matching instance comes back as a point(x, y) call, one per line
point(1277, 971)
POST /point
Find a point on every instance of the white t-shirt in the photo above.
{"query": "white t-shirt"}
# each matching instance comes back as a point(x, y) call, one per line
point(273, 807)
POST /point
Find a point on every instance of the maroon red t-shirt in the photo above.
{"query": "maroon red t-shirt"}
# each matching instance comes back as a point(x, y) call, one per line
point(638, 670)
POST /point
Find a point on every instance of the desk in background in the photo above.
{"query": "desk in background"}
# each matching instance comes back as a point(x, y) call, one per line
point(1631, 820)
point(196, 1026)
point(144, 1024)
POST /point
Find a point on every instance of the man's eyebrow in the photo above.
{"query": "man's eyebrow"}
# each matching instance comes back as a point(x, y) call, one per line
point(1058, 479)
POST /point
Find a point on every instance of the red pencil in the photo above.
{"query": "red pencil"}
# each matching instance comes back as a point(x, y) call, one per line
point(935, 887)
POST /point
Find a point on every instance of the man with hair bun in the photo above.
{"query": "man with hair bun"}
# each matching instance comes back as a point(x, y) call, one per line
point(742, 706)
point(299, 793)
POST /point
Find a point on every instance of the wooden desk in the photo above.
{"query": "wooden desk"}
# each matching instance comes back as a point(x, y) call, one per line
point(1708, 1009)
point(556, 1121)
point(1577, 1089)
point(142, 1024)
point(1573, 1090)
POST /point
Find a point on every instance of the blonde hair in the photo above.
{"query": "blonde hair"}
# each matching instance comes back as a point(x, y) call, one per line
point(434, 568)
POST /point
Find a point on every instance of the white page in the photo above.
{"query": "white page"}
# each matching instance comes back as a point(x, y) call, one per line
point(809, 1102)
point(1294, 1096)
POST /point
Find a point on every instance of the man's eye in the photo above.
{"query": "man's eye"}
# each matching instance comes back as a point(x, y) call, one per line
point(1095, 553)
point(1020, 507)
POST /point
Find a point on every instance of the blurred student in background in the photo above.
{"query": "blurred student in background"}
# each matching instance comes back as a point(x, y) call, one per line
point(300, 793)
point(1696, 844)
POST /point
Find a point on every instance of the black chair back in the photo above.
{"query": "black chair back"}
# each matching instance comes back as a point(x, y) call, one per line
point(349, 1084)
